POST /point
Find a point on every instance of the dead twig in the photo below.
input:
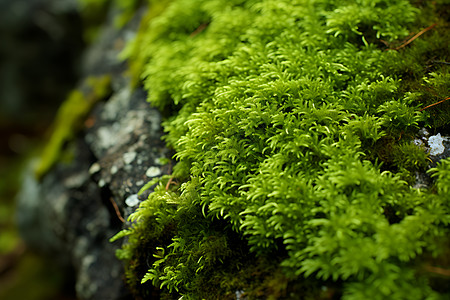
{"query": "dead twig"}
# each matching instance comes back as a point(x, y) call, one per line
point(116, 208)
point(431, 105)
point(199, 29)
point(440, 62)
point(414, 37)
point(171, 181)
point(168, 183)
point(437, 270)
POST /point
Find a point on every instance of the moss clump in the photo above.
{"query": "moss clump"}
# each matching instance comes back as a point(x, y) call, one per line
point(278, 112)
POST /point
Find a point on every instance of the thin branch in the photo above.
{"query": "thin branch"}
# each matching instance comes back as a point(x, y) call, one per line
point(199, 29)
point(116, 208)
point(437, 270)
point(415, 37)
point(440, 62)
point(168, 183)
point(431, 105)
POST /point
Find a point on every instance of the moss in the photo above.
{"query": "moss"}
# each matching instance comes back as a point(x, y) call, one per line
point(69, 119)
point(423, 66)
point(292, 122)
point(133, 50)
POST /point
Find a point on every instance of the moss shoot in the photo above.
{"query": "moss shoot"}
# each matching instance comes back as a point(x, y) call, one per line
point(292, 123)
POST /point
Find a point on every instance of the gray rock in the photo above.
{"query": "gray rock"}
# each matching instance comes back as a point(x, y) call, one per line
point(79, 205)
point(71, 214)
point(438, 148)
point(127, 139)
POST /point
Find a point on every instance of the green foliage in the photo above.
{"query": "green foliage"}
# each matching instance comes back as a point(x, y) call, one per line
point(442, 172)
point(352, 17)
point(278, 106)
point(423, 67)
point(410, 156)
point(163, 231)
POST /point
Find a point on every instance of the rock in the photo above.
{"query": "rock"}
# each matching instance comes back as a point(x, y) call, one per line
point(127, 139)
point(438, 148)
point(79, 205)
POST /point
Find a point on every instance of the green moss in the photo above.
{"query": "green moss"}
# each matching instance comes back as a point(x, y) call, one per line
point(135, 60)
point(69, 119)
point(408, 156)
point(291, 122)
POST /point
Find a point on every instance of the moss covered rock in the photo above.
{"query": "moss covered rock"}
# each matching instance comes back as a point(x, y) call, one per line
point(292, 123)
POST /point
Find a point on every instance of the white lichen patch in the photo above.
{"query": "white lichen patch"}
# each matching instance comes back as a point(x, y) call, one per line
point(106, 137)
point(153, 172)
point(101, 183)
point(114, 169)
point(128, 157)
point(132, 200)
point(436, 144)
point(94, 168)
point(117, 103)
point(418, 142)
point(424, 132)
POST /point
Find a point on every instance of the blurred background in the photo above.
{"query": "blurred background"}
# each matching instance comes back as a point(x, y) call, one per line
point(41, 44)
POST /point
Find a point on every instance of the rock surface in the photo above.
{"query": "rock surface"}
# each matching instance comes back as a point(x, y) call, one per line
point(78, 206)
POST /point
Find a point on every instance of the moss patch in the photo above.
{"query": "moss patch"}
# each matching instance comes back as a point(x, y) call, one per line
point(292, 123)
